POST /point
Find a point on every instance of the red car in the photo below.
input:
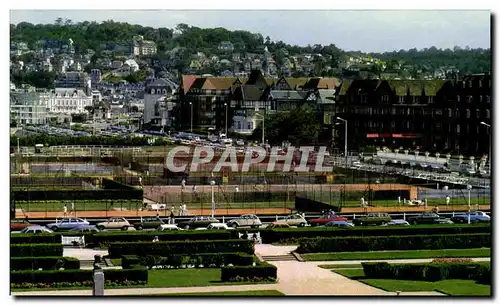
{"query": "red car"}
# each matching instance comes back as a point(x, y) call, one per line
point(19, 224)
point(323, 220)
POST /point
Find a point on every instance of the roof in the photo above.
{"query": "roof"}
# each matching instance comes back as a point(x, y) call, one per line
point(327, 95)
point(288, 94)
point(346, 83)
point(159, 82)
point(187, 82)
point(416, 87)
point(296, 82)
point(70, 91)
point(248, 92)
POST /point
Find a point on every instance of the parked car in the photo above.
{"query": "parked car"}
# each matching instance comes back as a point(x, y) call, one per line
point(85, 228)
point(197, 222)
point(67, 223)
point(275, 225)
point(245, 221)
point(339, 224)
point(326, 219)
point(475, 217)
point(35, 229)
point(148, 223)
point(168, 227)
point(397, 222)
point(19, 224)
point(114, 223)
point(372, 219)
point(428, 218)
point(292, 220)
point(219, 226)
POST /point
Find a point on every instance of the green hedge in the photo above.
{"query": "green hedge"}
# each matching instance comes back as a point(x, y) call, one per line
point(260, 272)
point(374, 243)
point(180, 247)
point(72, 276)
point(177, 260)
point(104, 238)
point(426, 271)
point(47, 238)
point(36, 250)
point(46, 263)
point(280, 235)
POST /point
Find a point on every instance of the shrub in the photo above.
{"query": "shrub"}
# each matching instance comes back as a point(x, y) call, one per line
point(35, 238)
point(36, 250)
point(178, 247)
point(46, 263)
point(129, 260)
point(73, 276)
point(177, 260)
point(259, 272)
point(147, 236)
point(483, 275)
point(414, 242)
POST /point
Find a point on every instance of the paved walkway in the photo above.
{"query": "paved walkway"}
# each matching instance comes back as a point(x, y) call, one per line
point(83, 254)
point(392, 261)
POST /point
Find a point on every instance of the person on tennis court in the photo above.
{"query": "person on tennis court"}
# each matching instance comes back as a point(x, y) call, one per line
point(65, 210)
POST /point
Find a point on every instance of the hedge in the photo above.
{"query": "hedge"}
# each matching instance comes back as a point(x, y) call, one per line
point(36, 250)
point(180, 247)
point(148, 236)
point(374, 243)
point(47, 238)
point(72, 276)
point(431, 272)
point(46, 263)
point(29, 195)
point(177, 260)
point(260, 272)
point(280, 235)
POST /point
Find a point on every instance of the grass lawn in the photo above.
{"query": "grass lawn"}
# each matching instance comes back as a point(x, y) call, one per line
point(337, 256)
point(116, 261)
point(256, 293)
point(172, 278)
point(449, 287)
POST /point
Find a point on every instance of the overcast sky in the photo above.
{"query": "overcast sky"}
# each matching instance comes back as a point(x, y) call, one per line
point(368, 31)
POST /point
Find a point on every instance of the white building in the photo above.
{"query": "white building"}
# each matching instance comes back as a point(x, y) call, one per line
point(155, 105)
point(28, 106)
point(69, 100)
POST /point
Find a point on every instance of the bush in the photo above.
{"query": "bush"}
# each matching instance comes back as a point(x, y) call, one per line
point(180, 247)
point(259, 272)
point(73, 276)
point(484, 275)
point(177, 260)
point(46, 263)
point(147, 236)
point(35, 238)
point(35, 250)
point(374, 243)
point(426, 271)
point(129, 260)
point(282, 235)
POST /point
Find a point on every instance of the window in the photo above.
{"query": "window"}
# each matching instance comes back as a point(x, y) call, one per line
point(449, 112)
point(467, 113)
point(431, 99)
point(249, 125)
point(458, 128)
point(393, 111)
point(480, 98)
point(468, 128)
point(488, 99)
point(478, 113)
point(457, 113)
point(385, 99)
point(438, 112)
point(239, 125)
point(401, 99)
point(407, 124)
point(438, 126)
point(407, 111)
point(417, 99)
point(478, 129)
point(469, 99)
point(487, 113)
point(458, 98)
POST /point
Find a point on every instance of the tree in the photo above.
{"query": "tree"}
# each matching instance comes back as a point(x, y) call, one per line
point(59, 21)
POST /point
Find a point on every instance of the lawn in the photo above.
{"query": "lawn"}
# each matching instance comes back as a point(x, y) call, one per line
point(256, 293)
point(338, 256)
point(449, 287)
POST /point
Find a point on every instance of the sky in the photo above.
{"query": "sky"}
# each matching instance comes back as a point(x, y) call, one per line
point(367, 31)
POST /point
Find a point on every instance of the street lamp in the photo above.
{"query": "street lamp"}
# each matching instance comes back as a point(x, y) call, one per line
point(191, 104)
point(345, 139)
point(263, 130)
point(469, 187)
point(212, 183)
point(489, 153)
point(225, 104)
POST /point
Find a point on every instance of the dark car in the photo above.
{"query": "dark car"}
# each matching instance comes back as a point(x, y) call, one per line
point(19, 224)
point(372, 219)
point(326, 219)
point(148, 223)
point(428, 218)
point(197, 222)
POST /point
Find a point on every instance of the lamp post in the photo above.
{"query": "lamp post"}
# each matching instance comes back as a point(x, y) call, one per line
point(345, 139)
point(225, 104)
point(212, 183)
point(263, 130)
point(489, 153)
point(191, 104)
point(469, 187)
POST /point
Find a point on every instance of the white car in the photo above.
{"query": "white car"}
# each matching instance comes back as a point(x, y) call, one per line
point(35, 230)
point(397, 222)
point(169, 227)
point(114, 223)
point(248, 220)
point(292, 220)
point(218, 226)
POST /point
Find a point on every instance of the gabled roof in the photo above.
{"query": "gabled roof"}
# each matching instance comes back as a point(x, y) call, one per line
point(248, 93)
point(187, 82)
point(296, 82)
point(346, 83)
point(288, 94)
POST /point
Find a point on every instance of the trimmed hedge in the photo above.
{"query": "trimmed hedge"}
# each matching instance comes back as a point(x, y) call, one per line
point(280, 235)
point(180, 247)
point(177, 260)
point(260, 272)
point(73, 276)
point(36, 250)
point(374, 243)
point(47, 238)
point(46, 263)
point(431, 272)
point(147, 236)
